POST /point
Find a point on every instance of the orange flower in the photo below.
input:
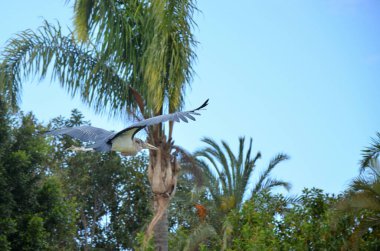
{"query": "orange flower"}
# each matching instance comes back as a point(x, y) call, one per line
point(201, 211)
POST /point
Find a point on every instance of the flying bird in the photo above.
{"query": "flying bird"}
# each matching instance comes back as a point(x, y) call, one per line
point(123, 141)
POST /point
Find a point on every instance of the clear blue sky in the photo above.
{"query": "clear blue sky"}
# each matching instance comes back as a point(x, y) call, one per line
point(299, 77)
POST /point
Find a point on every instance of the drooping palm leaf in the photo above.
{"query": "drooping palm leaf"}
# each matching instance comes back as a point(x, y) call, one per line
point(371, 152)
point(264, 183)
point(78, 68)
point(148, 44)
point(189, 165)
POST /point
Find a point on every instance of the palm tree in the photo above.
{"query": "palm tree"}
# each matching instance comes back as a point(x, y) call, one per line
point(229, 178)
point(125, 58)
point(363, 195)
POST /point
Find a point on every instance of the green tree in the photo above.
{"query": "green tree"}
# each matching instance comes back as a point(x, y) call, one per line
point(273, 222)
point(34, 215)
point(122, 46)
point(58, 214)
point(310, 223)
point(253, 227)
point(7, 203)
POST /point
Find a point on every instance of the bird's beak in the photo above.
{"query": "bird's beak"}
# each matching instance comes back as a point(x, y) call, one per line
point(149, 146)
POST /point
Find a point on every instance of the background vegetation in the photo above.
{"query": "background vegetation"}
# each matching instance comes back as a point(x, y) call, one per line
point(53, 199)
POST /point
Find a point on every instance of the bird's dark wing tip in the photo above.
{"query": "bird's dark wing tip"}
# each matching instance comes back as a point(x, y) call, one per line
point(202, 106)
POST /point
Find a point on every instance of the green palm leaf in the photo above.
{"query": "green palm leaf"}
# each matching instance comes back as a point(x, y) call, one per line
point(264, 182)
point(79, 69)
point(371, 152)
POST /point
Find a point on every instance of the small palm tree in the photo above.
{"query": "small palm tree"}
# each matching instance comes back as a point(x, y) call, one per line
point(229, 181)
point(230, 176)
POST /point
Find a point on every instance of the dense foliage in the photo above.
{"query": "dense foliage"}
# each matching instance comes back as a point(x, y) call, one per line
point(36, 213)
point(55, 199)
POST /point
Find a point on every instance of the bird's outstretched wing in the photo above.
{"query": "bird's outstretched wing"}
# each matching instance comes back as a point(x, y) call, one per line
point(83, 133)
point(176, 116)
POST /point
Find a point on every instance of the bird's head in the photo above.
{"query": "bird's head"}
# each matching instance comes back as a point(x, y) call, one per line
point(144, 145)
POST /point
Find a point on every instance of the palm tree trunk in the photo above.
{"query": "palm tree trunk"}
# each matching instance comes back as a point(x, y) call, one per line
point(161, 228)
point(162, 173)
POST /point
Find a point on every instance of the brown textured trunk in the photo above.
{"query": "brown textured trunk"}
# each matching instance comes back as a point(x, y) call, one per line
point(162, 173)
point(161, 228)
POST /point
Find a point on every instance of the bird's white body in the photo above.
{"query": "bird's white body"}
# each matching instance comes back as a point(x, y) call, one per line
point(124, 144)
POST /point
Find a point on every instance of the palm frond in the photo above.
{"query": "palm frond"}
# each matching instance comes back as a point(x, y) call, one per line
point(136, 41)
point(272, 164)
point(249, 168)
point(270, 183)
point(372, 169)
point(371, 152)
point(241, 153)
point(82, 10)
point(216, 151)
point(213, 172)
point(211, 182)
point(362, 228)
point(190, 165)
point(360, 200)
point(170, 50)
point(78, 68)
point(209, 176)
point(117, 26)
point(362, 183)
point(232, 162)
